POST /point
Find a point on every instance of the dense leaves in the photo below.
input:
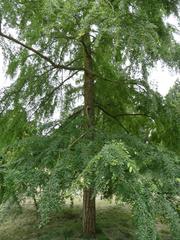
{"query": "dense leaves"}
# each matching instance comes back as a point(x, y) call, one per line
point(135, 133)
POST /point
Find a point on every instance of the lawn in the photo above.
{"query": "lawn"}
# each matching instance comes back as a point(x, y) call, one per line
point(114, 222)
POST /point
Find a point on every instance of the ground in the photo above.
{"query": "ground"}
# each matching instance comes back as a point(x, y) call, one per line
point(113, 223)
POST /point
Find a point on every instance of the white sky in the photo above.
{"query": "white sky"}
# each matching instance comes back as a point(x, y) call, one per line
point(161, 77)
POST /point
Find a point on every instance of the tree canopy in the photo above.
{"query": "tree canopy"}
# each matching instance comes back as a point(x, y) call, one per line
point(89, 61)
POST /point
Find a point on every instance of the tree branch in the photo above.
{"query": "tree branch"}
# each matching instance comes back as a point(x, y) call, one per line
point(124, 114)
point(112, 116)
point(46, 98)
point(77, 139)
point(132, 114)
point(139, 83)
point(64, 123)
point(61, 84)
point(46, 58)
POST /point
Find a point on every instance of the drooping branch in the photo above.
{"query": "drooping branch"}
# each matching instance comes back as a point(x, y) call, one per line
point(51, 69)
point(123, 114)
point(47, 96)
point(46, 58)
point(72, 116)
point(112, 116)
point(64, 123)
point(140, 83)
point(62, 83)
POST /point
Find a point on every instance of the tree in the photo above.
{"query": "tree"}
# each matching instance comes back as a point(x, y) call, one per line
point(89, 60)
point(13, 128)
point(166, 131)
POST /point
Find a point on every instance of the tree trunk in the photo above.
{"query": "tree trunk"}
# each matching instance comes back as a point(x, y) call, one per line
point(89, 210)
point(2, 188)
point(89, 213)
point(71, 202)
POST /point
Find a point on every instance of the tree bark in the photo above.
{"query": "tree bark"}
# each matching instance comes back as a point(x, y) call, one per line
point(2, 188)
point(89, 213)
point(89, 210)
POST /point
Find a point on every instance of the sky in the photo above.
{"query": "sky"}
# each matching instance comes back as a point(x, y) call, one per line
point(161, 78)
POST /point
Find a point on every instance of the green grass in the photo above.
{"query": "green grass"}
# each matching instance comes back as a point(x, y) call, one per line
point(113, 223)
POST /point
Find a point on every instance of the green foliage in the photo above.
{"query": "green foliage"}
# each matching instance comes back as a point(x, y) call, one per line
point(50, 160)
point(167, 128)
point(142, 175)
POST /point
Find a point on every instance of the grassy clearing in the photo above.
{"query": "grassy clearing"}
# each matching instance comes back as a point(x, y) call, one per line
point(113, 223)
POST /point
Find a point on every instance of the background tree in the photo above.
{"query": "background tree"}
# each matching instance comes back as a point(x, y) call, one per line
point(167, 129)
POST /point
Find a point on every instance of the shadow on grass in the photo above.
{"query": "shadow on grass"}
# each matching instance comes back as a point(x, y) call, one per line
point(113, 223)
